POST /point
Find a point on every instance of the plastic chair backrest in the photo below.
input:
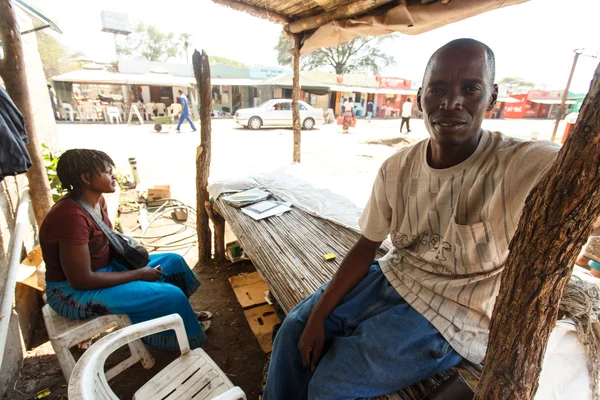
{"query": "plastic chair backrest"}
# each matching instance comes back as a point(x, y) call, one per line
point(113, 111)
point(88, 381)
point(149, 107)
point(160, 107)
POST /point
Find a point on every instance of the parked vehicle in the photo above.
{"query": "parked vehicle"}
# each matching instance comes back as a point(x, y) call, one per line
point(278, 112)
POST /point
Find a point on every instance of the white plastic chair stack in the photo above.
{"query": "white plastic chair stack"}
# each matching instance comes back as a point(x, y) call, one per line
point(161, 109)
point(65, 333)
point(149, 111)
point(175, 110)
point(68, 110)
point(114, 114)
point(194, 375)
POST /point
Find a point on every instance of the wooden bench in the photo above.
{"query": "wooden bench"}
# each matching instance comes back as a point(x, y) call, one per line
point(287, 252)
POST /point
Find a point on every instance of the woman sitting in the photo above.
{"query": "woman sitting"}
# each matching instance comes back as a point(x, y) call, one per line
point(83, 279)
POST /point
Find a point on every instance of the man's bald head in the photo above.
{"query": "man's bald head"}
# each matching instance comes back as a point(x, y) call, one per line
point(456, 46)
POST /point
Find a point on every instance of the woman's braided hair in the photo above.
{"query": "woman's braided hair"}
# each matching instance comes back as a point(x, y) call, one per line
point(73, 165)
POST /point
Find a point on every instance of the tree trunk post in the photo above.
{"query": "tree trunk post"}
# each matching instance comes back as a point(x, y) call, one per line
point(219, 233)
point(296, 97)
point(203, 154)
point(12, 71)
point(556, 221)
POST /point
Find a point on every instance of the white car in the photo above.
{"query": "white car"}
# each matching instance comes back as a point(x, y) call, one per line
point(278, 112)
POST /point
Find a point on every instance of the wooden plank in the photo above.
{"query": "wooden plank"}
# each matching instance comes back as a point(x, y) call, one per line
point(253, 10)
point(249, 289)
point(291, 260)
point(295, 97)
point(262, 320)
point(343, 12)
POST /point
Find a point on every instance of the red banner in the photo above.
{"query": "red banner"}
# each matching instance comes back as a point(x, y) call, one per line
point(393, 83)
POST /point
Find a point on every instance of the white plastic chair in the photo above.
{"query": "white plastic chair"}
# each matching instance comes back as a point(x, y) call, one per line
point(88, 112)
point(65, 333)
point(68, 110)
point(149, 111)
point(161, 109)
point(193, 375)
point(114, 113)
point(174, 110)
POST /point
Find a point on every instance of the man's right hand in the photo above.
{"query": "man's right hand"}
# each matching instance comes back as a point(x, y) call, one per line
point(148, 274)
point(311, 343)
point(354, 267)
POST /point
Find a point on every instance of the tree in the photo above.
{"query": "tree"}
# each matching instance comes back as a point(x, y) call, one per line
point(557, 219)
point(185, 41)
point(12, 72)
point(227, 61)
point(358, 55)
point(148, 43)
point(514, 84)
point(56, 57)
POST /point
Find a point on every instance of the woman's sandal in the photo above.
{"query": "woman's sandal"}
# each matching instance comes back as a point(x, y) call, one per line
point(203, 315)
point(205, 325)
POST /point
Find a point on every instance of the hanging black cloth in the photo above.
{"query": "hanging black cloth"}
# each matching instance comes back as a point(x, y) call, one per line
point(14, 157)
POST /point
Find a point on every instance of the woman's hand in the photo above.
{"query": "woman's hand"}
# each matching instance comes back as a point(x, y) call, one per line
point(76, 263)
point(148, 274)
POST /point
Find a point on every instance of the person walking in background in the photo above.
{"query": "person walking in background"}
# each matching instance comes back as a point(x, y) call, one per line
point(406, 113)
point(53, 102)
point(349, 105)
point(348, 115)
point(185, 112)
point(369, 110)
point(342, 102)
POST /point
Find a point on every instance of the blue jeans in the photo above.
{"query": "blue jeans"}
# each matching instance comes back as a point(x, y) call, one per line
point(375, 344)
point(184, 117)
point(369, 115)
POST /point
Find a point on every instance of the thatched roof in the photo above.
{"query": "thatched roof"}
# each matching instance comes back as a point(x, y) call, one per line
point(325, 23)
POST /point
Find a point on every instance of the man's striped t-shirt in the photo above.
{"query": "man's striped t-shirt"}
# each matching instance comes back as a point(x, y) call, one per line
point(451, 229)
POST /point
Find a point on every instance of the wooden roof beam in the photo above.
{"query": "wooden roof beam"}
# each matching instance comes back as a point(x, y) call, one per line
point(346, 11)
point(255, 11)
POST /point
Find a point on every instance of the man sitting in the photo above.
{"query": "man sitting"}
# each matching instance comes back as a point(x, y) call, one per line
point(451, 205)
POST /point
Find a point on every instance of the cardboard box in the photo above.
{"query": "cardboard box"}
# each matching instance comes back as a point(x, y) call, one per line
point(156, 193)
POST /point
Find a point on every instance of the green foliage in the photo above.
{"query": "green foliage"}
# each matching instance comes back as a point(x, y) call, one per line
point(358, 55)
point(184, 43)
point(148, 43)
point(125, 181)
point(227, 61)
point(50, 161)
point(56, 57)
point(513, 84)
point(118, 227)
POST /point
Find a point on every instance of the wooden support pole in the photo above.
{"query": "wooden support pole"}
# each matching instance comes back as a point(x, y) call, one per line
point(12, 71)
point(556, 221)
point(342, 12)
point(219, 227)
point(258, 12)
point(203, 155)
point(296, 97)
point(563, 100)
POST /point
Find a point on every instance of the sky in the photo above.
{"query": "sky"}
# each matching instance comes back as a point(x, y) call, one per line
point(534, 40)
